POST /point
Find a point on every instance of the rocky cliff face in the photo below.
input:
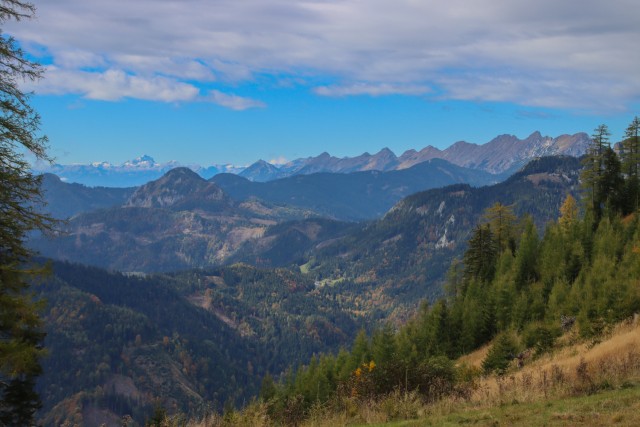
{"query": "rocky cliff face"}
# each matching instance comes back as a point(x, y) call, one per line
point(502, 154)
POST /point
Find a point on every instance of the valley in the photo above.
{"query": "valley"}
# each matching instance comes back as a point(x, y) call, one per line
point(282, 285)
point(347, 213)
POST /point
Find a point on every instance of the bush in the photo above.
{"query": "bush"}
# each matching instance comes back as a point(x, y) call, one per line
point(540, 337)
point(501, 354)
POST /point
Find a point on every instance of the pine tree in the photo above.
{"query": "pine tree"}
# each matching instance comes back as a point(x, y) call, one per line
point(20, 335)
point(480, 258)
point(630, 149)
point(526, 261)
point(610, 190)
point(594, 168)
point(630, 158)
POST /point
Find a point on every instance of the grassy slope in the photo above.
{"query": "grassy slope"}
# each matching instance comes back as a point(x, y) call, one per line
point(593, 383)
point(619, 407)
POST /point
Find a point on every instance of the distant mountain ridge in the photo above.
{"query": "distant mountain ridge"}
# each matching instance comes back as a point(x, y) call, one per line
point(131, 173)
point(502, 155)
point(182, 220)
point(352, 196)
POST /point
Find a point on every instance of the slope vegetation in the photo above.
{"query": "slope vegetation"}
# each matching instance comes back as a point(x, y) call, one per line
point(404, 256)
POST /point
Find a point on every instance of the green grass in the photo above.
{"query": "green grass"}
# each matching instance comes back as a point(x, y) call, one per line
point(609, 408)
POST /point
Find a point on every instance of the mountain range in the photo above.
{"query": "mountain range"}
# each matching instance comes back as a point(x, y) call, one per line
point(182, 220)
point(301, 284)
point(131, 173)
point(502, 155)
point(352, 196)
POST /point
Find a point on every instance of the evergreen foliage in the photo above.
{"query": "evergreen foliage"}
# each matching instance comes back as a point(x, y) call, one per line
point(584, 268)
point(500, 355)
point(20, 326)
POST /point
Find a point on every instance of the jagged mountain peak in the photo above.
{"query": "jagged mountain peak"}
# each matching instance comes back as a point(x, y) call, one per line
point(261, 171)
point(143, 158)
point(503, 155)
point(536, 135)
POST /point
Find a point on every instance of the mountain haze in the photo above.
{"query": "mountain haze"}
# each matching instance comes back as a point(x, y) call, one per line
point(502, 155)
point(64, 200)
point(352, 196)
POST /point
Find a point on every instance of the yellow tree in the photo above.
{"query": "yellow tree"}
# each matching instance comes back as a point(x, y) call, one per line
point(568, 213)
point(502, 221)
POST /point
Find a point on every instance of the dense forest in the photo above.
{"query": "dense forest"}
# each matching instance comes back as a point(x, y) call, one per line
point(512, 287)
point(535, 254)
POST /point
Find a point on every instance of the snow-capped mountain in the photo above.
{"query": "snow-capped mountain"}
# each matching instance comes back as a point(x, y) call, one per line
point(502, 155)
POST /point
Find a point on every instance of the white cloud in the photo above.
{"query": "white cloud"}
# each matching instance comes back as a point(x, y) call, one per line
point(377, 89)
point(548, 52)
point(113, 85)
point(234, 102)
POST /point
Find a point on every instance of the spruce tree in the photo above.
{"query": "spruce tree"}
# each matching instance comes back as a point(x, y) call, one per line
point(630, 158)
point(20, 336)
point(480, 258)
point(594, 168)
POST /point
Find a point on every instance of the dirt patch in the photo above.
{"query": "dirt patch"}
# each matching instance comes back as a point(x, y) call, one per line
point(123, 386)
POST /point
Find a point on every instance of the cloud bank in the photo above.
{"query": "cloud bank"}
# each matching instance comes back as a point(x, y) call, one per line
point(545, 53)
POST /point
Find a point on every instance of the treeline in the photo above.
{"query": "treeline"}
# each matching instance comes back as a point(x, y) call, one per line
point(512, 286)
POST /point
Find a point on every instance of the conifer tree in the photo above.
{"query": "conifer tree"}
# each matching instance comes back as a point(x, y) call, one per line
point(502, 221)
point(479, 259)
point(594, 167)
point(20, 336)
point(526, 268)
point(610, 189)
point(568, 213)
point(630, 158)
point(630, 149)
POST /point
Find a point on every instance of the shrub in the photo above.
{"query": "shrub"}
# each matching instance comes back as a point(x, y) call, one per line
point(501, 354)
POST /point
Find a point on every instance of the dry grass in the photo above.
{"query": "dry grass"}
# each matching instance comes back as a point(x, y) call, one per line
point(475, 358)
point(580, 383)
point(570, 370)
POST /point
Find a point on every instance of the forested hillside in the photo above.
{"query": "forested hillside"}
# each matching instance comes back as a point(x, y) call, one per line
point(132, 339)
point(354, 196)
point(64, 200)
point(403, 257)
point(121, 345)
point(177, 222)
point(514, 288)
point(130, 344)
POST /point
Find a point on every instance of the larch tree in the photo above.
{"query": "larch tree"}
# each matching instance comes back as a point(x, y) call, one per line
point(502, 221)
point(568, 213)
point(20, 324)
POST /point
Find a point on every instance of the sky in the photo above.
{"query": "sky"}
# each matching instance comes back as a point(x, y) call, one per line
point(233, 81)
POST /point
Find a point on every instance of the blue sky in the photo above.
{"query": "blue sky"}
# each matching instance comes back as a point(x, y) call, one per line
point(228, 81)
